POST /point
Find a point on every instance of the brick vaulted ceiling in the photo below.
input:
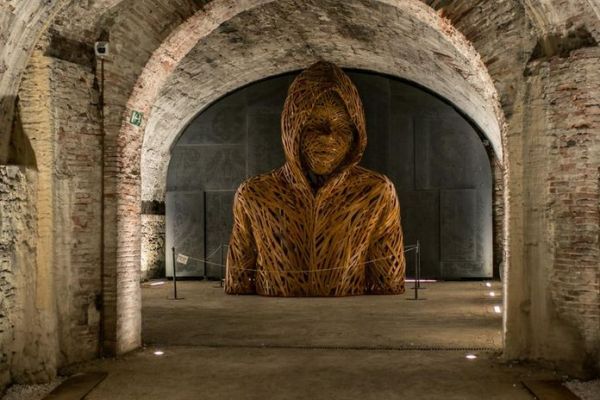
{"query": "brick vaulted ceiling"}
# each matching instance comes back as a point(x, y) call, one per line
point(411, 43)
point(23, 22)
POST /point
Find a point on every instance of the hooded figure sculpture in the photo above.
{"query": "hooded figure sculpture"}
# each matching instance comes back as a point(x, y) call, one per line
point(320, 225)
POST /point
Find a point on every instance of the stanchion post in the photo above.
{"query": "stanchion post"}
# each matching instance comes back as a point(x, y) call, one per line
point(416, 284)
point(419, 263)
point(417, 256)
point(174, 274)
point(204, 218)
point(222, 266)
point(417, 279)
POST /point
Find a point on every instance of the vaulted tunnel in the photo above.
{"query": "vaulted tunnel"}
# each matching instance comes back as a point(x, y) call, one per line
point(83, 190)
point(434, 157)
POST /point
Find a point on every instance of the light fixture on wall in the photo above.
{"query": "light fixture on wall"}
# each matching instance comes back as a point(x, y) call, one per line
point(101, 49)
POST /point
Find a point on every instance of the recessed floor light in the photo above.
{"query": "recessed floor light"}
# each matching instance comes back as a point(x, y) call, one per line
point(470, 356)
point(159, 353)
point(488, 284)
point(492, 294)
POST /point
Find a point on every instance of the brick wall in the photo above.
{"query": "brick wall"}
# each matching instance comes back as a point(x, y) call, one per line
point(552, 290)
point(53, 290)
point(146, 24)
point(498, 218)
point(572, 96)
point(35, 352)
point(77, 207)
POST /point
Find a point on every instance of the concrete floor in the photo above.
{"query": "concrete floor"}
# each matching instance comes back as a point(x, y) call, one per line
point(453, 315)
point(381, 347)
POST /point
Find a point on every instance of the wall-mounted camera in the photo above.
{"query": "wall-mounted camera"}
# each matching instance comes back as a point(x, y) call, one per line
point(101, 49)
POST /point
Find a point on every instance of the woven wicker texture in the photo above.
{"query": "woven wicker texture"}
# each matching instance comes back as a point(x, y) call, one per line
point(340, 237)
point(327, 136)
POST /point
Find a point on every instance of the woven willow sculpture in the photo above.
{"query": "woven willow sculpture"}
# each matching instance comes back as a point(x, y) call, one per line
point(320, 225)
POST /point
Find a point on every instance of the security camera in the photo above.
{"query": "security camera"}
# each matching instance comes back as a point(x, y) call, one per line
point(101, 49)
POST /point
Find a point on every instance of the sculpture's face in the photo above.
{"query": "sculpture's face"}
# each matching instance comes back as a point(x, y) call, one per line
point(327, 136)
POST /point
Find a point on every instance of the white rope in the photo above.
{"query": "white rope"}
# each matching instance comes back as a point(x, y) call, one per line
point(213, 253)
point(406, 250)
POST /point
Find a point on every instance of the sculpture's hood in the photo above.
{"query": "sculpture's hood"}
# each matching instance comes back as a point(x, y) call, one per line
point(303, 94)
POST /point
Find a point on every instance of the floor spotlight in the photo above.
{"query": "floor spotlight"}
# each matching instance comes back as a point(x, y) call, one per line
point(159, 353)
point(470, 356)
point(488, 284)
point(492, 294)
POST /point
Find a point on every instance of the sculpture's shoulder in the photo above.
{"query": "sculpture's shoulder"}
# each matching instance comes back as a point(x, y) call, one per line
point(378, 181)
point(256, 185)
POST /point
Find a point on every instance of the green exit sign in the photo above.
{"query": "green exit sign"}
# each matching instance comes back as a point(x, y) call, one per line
point(136, 118)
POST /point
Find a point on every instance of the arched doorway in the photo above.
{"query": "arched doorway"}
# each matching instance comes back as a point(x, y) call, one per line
point(424, 145)
point(202, 76)
point(440, 168)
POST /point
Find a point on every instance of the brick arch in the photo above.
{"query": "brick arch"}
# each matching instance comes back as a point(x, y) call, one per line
point(507, 63)
point(457, 72)
point(122, 294)
point(502, 32)
point(437, 44)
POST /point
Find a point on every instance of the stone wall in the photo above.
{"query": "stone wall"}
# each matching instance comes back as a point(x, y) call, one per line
point(153, 246)
point(21, 24)
point(55, 290)
point(17, 274)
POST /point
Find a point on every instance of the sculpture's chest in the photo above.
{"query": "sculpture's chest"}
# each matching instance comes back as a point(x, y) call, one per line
point(344, 211)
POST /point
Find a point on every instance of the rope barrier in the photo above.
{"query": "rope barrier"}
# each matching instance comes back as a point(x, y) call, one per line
point(415, 247)
point(406, 250)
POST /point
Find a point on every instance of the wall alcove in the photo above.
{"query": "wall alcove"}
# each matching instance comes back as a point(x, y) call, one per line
point(434, 156)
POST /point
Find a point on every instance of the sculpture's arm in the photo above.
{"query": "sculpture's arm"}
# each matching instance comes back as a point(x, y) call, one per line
point(385, 271)
point(241, 256)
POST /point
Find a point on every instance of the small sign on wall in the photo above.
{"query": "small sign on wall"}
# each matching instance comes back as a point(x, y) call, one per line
point(136, 118)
